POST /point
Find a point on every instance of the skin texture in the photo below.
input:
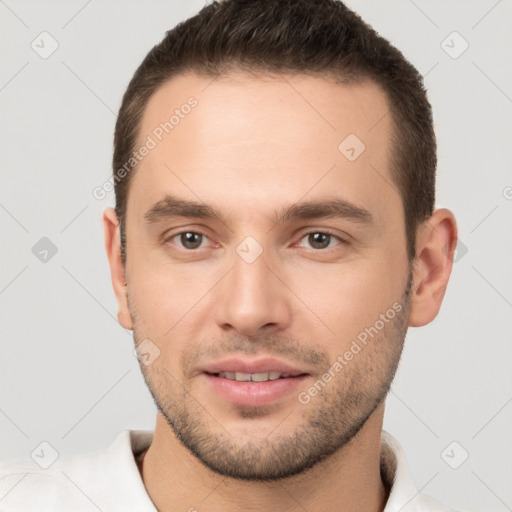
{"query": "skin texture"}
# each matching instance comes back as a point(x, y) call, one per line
point(254, 146)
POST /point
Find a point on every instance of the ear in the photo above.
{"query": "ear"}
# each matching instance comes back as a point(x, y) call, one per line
point(435, 246)
point(117, 270)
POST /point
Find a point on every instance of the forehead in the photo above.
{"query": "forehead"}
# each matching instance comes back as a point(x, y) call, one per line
point(265, 138)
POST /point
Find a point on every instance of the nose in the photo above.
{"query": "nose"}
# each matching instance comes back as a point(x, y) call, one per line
point(253, 298)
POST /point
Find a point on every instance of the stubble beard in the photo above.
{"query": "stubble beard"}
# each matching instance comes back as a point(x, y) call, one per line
point(328, 422)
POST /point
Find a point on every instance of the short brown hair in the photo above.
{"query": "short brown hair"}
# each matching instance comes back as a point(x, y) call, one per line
point(315, 37)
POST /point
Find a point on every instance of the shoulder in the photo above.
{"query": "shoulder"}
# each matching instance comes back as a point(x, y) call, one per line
point(105, 479)
point(24, 486)
point(404, 495)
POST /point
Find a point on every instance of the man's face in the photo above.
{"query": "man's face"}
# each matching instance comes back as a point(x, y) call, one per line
point(252, 283)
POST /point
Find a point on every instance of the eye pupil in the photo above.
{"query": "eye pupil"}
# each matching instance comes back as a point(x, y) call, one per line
point(191, 240)
point(319, 240)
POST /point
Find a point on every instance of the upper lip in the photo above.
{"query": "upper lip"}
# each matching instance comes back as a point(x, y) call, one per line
point(265, 365)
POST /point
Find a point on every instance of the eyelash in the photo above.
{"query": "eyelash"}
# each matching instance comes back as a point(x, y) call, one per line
point(341, 240)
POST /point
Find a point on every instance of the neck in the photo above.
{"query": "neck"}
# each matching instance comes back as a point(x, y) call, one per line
point(349, 480)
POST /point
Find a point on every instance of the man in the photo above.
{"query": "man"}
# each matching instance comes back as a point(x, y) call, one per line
point(273, 238)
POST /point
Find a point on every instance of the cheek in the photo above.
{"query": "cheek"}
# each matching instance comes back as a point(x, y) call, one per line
point(169, 301)
point(347, 298)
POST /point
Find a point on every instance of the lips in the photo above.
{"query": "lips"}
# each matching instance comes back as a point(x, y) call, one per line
point(259, 366)
point(253, 377)
point(253, 383)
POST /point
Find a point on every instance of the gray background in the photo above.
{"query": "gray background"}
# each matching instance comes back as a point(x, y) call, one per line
point(68, 374)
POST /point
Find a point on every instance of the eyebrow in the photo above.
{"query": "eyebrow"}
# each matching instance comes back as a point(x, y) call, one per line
point(328, 208)
point(170, 207)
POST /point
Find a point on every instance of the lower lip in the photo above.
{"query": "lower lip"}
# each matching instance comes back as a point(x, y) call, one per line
point(254, 394)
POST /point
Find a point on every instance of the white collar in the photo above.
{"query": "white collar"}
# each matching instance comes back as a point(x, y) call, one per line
point(110, 480)
point(404, 495)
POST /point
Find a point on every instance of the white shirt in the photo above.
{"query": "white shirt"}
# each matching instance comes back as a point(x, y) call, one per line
point(109, 481)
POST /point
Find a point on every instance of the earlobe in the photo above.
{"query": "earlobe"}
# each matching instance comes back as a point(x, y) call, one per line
point(117, 269)
point(435, 246)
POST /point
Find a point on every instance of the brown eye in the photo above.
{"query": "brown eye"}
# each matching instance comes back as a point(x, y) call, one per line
point(319, 240)
point(190, 240)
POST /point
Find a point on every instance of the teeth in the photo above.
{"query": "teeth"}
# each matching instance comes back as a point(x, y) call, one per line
point(254, 377)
